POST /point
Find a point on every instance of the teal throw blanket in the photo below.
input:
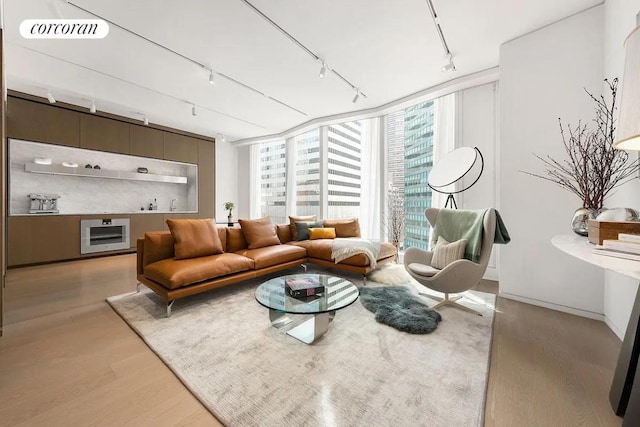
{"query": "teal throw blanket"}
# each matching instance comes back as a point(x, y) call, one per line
point(456, 224)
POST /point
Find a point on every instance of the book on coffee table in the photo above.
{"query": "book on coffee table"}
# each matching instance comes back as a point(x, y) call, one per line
point(303, 286)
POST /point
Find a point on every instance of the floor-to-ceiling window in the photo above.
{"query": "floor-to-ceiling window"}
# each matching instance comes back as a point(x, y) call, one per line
point(344, 178)
point(307, 173)
point(273, 180)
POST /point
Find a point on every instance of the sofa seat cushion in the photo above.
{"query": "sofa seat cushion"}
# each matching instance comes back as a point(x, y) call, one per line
point(321, 249)
point(175, 273)
point(273, 255)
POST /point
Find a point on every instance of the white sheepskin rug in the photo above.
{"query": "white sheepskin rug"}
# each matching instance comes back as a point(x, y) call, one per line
point(390, 274)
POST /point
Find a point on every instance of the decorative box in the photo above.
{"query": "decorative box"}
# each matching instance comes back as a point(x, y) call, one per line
point(609, 230)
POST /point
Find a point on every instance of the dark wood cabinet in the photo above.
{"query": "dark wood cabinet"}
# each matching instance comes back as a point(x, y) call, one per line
point(33, 121)
point(141, 223)
point(42, 239)
point(100, 133)
point(180, 148)
point(146, 142)
point(206, 179)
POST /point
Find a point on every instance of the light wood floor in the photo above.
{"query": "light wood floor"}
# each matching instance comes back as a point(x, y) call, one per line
point(67, 359)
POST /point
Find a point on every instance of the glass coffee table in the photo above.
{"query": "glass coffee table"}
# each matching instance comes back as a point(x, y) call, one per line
point(308, 318)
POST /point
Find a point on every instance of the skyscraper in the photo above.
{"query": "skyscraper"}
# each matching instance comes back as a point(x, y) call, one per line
point(418, 160)
point(273, 181)
point(307, 168)
point(344, 169)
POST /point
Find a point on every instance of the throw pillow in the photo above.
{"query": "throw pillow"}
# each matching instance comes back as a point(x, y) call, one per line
point(259, 232)
point(344, 227)
point(294, 219)
point(302, 229)
point(195, 237)
point(322, 233)
point(445, 253)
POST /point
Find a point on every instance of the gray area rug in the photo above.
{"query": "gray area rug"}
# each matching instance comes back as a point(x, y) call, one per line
point(361, 373)
point(397, 307)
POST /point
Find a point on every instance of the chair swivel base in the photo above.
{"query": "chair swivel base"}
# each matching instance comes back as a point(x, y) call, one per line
point(451, 302)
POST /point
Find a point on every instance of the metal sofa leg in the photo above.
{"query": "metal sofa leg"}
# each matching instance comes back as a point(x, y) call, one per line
point(138, 287)
point(364, 280)
point(169, 305)
point(304, 266)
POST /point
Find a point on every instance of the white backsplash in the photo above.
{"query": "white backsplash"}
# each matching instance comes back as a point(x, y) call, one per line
point(90, 195)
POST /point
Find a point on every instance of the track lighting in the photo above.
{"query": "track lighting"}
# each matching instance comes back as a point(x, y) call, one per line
point(145, 120)
point(212, 79)
point(450, 66)
point(92, 108)
point(355, 98)
point(222, 138)
point(323, 71)
point(193, 110)
point(50, 97)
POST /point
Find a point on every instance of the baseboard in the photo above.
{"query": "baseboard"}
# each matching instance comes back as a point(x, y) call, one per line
point(614, 328)
point(557, 307)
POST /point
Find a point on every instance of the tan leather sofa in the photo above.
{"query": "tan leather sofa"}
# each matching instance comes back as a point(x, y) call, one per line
point(171, 278)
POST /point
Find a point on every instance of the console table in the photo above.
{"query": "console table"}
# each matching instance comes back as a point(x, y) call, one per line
point(626, 374)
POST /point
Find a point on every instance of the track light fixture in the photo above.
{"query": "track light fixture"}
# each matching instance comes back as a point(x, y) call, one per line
point(450, 66)
point(222, 138)
point(212, 79)
point(193, 110)
point(50, 97)
point(323, 71)
point(357, 96)
point(92, 108)
point(145, 120)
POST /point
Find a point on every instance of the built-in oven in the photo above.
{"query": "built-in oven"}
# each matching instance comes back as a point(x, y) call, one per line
point(103, 235)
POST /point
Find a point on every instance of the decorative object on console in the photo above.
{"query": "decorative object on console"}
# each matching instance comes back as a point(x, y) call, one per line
point(143, 170)
point(228, 206)
point(42, 161)
point(618, 214)
point(97, 167)
point(88, 166)
point(601, 230)
point(594, 167)
point(452, 168)
point(581, 216)
point(69, 164)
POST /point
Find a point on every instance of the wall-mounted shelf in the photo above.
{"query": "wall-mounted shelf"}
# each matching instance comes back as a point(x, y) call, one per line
point(102, 173)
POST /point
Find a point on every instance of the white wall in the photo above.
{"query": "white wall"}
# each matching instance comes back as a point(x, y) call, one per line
point(542, 76)
point(476, 127)
point(227, 176)
point(620, 291)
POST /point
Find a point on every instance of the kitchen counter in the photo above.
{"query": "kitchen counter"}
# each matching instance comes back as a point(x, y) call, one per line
point(139, 212)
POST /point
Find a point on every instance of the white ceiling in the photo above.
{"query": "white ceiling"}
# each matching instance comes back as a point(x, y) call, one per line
point(388, 49)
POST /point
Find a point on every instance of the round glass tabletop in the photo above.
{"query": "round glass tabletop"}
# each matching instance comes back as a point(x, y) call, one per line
point(338, 293)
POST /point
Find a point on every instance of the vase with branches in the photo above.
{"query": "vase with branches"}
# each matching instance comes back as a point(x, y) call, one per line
point(592, 168)
point(228, 206)
point(395, 220)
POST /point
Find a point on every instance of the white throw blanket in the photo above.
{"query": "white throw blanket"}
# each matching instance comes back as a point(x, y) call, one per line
point(344, 248)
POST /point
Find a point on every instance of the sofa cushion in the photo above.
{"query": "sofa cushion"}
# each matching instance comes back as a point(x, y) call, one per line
point(344, 227)
point(235, 240)
point(175, 273)
point(321, 249)
point(195, 237)
point(157, 245)
point(322, 233)
point(259, 232)
point(302, 229)
point(294, 219)
point(273, 255)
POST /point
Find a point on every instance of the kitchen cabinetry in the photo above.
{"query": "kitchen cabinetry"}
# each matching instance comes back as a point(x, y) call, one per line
point(206, 178)
point(103, 134)
point(33, 240)
point(33, 121)
point(146, 142)
point(142, 223)
point(180, 148)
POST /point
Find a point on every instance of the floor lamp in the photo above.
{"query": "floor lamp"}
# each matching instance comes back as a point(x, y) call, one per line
point(454, 166)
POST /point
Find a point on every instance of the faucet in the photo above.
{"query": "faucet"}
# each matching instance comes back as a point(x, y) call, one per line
point(173, 206)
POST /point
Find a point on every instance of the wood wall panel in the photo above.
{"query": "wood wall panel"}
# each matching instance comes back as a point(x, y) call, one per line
point(42, 239)
point(146, 142)
point(142, 223)
point(33, 121)
point(206, 179)
point(180, 148)
point(99, 133)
